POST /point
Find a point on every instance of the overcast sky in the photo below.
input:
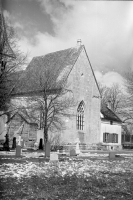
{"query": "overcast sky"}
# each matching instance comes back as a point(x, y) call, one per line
point(105, 28)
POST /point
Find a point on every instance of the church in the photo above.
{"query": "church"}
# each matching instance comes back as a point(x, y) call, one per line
point(87, 120)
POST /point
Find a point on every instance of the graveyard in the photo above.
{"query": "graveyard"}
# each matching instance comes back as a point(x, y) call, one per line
point(88, 175)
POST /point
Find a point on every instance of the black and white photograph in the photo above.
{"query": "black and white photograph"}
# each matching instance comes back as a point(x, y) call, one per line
point(66, 100)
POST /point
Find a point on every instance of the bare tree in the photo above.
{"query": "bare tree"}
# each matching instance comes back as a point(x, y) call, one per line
point(129, 83)
point(11, 60)
point(129, 89)
point(114, 96)
point(120, 103)
point(117, 100)
point(51, 102)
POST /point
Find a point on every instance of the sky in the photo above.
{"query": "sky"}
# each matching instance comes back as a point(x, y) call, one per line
point(104, 27)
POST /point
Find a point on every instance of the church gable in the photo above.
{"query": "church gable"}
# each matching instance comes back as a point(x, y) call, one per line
point(83, 83)
point(82, 77)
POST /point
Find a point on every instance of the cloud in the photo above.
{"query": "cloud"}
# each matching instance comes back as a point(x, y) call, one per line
point(42, 44)
point(105, 28)
point(102, 26)
point(6, 14)
point(18, 25)
point(110, 78)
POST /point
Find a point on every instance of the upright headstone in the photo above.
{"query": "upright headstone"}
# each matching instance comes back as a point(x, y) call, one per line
point(41, 144)
point(77, 146)
point(112, 155)
point(54, 157)
point(14, 143)
point(6, 143)
point(73, 152)
point(18, 147)
point(18, 151)
point(19, 140)
point(22, 144)
point(36, 146)
point(47, 149)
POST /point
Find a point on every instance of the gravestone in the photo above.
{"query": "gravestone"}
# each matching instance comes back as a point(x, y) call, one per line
point(112, 155)
point(6, 143)
point(77, 146)
point(14, 143)
point(18, 146)
point(60, 150)
point(41, 144)
point(36, 146)
point(19, 140)
point(73, 152)
point(54, 157)
point(18, 151)
point(47, 149)
point(22, 144)
point(63, 152)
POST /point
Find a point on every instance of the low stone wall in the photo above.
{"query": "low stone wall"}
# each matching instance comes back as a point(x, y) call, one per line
point(93, 147)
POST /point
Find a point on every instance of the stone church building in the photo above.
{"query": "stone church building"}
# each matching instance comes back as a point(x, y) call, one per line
point(74, 63)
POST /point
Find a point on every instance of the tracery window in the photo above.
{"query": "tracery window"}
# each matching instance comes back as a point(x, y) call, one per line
point(80, 116)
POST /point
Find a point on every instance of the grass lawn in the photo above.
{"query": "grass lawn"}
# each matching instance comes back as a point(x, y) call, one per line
point(70, 179)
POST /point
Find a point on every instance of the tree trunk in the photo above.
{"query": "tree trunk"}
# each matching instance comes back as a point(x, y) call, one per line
point(14, 143)
point(45, 138)
point(6, 144)
point(45, 123)
point(45, 134)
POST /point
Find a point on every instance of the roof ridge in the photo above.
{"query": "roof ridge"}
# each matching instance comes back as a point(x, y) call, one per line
point(113, 113)
point(56, 51)
point(92, 71)
point(109, 114)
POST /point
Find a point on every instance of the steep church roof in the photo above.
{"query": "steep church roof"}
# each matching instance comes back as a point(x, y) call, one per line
point(108, 114)
point(24, 117)
point(60, 62)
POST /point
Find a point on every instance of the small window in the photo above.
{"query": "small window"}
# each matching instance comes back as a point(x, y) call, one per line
point(80, 116)
point(106, 137)
point(115, 138)
point(110, 137)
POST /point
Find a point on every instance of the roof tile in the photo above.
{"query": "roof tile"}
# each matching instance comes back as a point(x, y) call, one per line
point(59, 62)
point(109, 114)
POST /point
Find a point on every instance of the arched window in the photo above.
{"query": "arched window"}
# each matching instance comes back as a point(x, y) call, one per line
point(80, 116)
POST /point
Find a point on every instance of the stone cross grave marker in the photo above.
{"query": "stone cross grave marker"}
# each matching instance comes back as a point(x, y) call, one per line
point(19, 140)
point(18, 146)
point(77, 146)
